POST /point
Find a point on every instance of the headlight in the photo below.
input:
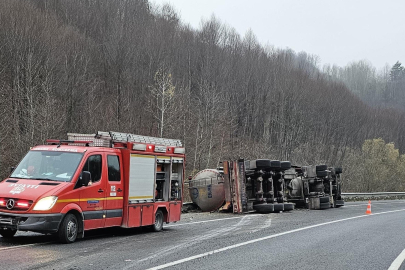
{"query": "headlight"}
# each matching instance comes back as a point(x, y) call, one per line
point(45, 203)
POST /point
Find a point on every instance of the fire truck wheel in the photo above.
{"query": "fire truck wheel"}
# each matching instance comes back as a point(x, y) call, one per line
point(158, 226)
point(8, 233)
point(68, 229)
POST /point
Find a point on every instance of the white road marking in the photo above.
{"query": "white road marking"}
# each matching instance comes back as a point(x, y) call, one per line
point(398, 261)
point(204, 221)
point(261, 239)
point(244, 221)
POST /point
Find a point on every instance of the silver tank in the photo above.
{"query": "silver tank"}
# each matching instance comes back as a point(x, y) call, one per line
point(207, 189)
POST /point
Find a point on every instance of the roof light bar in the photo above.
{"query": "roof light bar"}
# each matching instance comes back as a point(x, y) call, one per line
point(139, 147)
point(179, 150)
point(160, 149)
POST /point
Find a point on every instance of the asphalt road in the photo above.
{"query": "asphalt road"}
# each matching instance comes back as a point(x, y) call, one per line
point(341, 238)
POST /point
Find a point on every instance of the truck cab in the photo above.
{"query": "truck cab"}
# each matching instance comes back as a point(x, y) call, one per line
point(91, 181)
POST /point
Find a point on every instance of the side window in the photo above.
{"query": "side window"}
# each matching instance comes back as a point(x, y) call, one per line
point(114, 173)
point(94, 166)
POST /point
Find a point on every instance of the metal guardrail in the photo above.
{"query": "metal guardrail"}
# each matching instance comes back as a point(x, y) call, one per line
point(374, 194)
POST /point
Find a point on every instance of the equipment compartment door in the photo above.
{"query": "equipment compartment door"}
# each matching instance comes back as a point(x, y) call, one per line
point(174, 212)
point(134, 216)
point(148, 215)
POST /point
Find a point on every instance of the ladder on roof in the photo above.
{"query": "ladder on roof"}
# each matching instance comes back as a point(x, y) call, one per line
point(102, 138)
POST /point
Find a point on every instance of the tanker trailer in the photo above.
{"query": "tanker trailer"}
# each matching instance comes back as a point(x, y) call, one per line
point(207, 189)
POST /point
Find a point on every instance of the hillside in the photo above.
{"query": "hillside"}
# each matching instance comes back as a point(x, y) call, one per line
point(88, 65)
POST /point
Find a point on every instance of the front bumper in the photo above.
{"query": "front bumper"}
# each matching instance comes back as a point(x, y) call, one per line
point(42, 223)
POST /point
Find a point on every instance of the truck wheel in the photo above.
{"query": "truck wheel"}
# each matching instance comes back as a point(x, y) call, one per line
point(325, 205)
point(288, 206)
point(264, 208)
point(68, 229)
point(285, 165)
point(321, 167)
point(324, 199)
point(278, 207)
point(339, 203)
point(321, 173)
point(158, 226)
point(8, 233)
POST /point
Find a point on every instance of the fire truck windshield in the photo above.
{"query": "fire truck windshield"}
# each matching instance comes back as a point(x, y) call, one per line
point(48, 165)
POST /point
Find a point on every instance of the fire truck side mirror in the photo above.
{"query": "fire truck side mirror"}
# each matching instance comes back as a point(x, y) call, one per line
point(12, 169)
point(190, 177)
point(85, 178)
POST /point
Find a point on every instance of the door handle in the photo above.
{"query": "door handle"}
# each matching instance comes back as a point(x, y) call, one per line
point(119, 190)
point(100, 190)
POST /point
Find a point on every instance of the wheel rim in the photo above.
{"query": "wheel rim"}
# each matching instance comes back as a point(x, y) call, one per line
point(71, 230)
point(158, 220)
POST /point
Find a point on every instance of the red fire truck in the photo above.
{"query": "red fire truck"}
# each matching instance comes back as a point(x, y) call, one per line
point(90, 181)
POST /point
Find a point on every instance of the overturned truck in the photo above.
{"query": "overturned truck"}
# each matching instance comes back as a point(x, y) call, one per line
point(255, 185)
point(314, 187)
point(266, 186)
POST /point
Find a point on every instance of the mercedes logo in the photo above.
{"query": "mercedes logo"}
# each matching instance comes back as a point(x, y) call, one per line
point(10, 204)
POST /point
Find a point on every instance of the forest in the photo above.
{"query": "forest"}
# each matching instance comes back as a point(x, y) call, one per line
point(129, 66)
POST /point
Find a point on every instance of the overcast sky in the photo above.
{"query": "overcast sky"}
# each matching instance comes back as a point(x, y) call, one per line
point(338, 31)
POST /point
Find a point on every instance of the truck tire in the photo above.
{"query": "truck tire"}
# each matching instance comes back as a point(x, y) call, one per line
point(264, 208)
point(324, 199)
point(275, 164)
point(259, 164)
point(321, 173)
point(339, 203)
point(278, 207)
point(321, 167)
point(288, 206)
point(67, 233)
point(325, 205)
point(9, 233)
point(285, 165)
point(158, 225)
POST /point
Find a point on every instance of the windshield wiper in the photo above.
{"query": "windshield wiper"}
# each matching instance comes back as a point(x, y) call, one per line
point(45, 179)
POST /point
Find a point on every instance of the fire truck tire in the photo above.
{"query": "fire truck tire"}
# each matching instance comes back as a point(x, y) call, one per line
point(321, 173)
point(325, 205)
point(321, 167)
point(68, 229)
point(158, 225)
point(8, 233)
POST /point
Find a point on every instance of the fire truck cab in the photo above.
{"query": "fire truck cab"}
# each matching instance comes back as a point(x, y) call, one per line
point(91, 181)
